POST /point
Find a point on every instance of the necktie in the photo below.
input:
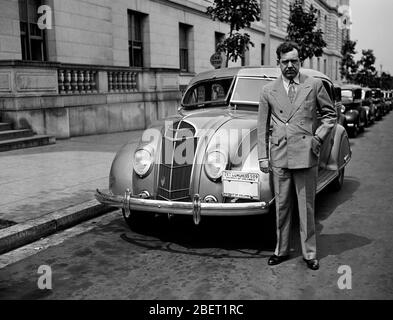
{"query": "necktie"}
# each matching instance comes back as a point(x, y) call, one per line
point(291, 91)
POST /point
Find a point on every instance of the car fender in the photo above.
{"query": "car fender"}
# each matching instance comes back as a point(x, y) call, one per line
point(341, 150)
point(121, 172)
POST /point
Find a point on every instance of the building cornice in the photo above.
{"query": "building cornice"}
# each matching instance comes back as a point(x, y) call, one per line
point(327, 7)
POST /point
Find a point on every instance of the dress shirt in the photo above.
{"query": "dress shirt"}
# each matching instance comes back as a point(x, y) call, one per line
point(285, 81)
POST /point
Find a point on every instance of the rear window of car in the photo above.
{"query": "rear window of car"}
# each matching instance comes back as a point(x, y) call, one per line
point(346, 93)
point(213, 91)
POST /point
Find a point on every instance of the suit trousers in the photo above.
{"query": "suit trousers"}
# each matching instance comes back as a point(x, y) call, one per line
point(301, 183)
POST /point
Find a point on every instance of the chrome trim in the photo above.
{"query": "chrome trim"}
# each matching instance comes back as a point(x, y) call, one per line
point(127, 197)
point(196, 214)
point(129, 202)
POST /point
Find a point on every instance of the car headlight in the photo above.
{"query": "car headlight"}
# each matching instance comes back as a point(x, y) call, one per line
point(215, 164)
point(342, 109)
point(143, 161)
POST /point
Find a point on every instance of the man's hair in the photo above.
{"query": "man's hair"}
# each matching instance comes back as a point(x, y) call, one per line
point(286, 47)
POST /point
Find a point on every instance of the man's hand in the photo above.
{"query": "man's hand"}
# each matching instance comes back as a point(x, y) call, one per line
point(316, 145)
point(264, 165)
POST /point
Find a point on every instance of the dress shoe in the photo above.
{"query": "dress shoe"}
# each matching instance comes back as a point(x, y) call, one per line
point(273, 260)
point(312, 264)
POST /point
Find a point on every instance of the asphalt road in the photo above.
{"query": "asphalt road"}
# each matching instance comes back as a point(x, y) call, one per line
point(227, 258)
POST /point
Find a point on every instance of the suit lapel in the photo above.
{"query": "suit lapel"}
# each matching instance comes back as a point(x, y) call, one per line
point(281, 97)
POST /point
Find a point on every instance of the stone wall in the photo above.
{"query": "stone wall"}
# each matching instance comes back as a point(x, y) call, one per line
point(30, 98)
point(10, 45)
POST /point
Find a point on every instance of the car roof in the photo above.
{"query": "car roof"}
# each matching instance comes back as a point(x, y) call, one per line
point(251, 71)
point(350, 86)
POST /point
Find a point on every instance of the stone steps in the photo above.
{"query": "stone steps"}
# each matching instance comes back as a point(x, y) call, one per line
point(15, 134)
point(20, 139)
point(5, 126)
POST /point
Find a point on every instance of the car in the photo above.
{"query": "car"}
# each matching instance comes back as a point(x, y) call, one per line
point(388, 99)
point(203, 161)
point(379, 103)
point(355, 115)
point(339, 105)
point(368, 105)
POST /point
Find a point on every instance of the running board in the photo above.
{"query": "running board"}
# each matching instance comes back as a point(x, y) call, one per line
point(325, 177)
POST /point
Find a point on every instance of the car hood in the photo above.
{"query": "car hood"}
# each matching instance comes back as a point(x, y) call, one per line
point(214, 119)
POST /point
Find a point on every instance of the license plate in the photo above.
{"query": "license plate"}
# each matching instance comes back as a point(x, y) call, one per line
point(239, 184)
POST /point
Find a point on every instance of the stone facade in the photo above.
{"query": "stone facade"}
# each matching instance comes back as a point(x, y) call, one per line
point(88, 45)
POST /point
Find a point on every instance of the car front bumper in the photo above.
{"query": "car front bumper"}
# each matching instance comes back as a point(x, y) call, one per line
point(196, 208)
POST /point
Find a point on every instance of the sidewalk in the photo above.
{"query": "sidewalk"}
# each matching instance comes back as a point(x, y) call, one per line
point(40, 181)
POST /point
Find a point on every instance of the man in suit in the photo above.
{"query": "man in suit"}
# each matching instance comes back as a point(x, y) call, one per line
point(287, 122)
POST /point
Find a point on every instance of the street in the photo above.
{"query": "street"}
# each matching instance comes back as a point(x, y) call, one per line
point(226, 258)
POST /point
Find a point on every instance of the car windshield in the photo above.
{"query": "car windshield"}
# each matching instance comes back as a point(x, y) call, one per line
point(346, 93)
point(248, 90)
point(209, 92)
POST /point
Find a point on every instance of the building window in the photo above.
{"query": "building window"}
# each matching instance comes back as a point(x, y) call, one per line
point(184, 31)
point(135, 38)
point(319, 64)
point(336, 70)
point(263, 52)
point(218, 38)
point(326, 24)
point(32, 37)
point(324, 66)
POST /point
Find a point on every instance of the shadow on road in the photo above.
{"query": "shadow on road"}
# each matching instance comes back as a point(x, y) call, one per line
point(219, 237)
point(242, 237)
point(326, 204)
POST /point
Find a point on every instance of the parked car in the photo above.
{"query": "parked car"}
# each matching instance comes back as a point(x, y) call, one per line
point(368, 105)
point(379, 103)
point(388, 99)
point(355, 115)
point(203, 161)
point(339, 105)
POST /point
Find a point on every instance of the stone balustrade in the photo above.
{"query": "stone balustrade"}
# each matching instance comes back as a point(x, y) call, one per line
point(73, 81)
point(85, 81)
point(122, 81)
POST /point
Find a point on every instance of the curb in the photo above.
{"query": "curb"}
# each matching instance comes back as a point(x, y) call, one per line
point(24, 233)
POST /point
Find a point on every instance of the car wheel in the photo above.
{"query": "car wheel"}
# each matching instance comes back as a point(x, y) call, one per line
point(338, 182)
point(354, 131)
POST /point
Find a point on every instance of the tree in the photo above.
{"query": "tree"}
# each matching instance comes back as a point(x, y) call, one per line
point(366, 75)
point(302, 29)
point(348, 65)
point(239, 14)
point(385, 81)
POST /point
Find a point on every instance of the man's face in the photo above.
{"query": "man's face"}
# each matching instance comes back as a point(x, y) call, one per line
point(290, 64)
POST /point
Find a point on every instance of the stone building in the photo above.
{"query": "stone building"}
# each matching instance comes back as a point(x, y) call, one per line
point(79, 67)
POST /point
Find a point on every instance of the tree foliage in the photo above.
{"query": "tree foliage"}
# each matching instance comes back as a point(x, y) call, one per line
point(239, 14)
point(302, 29)
point(348, 65)
point(366, 75)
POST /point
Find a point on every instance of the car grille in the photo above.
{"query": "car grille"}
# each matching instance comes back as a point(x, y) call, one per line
point(176, 164)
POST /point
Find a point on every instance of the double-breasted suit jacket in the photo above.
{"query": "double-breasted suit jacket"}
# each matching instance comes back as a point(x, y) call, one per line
point(292, 127)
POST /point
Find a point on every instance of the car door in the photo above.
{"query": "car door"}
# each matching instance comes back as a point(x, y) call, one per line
point(328, 142)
